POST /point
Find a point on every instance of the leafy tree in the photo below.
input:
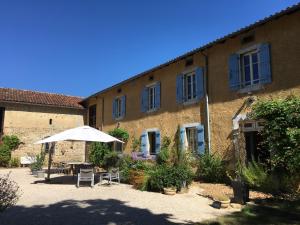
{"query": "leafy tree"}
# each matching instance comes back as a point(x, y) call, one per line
point(120, 134)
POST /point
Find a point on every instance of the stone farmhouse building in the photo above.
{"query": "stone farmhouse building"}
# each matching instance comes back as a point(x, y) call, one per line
point(34, 115)
point(203, 95)
point(206, 93)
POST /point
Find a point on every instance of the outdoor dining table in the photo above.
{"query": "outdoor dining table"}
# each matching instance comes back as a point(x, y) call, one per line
point(74, 164)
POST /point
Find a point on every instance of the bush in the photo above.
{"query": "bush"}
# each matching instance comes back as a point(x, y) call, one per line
point(120, 134)
point(97, 153)
point(211, 168)
point(12, 141)
point(8, 192)
point(163, 176)
point(14, 162)
point(125, 165)
point(254, 175)
point(136, 143)
point(163, 156)
point(111, 160)
point(5, 154)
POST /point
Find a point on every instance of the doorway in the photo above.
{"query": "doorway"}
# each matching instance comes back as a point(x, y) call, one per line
point(152, 142)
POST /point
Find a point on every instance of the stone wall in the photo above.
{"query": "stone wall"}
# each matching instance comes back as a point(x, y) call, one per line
point(32, 123)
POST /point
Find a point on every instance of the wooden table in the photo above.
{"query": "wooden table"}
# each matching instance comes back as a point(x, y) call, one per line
point(73, 164)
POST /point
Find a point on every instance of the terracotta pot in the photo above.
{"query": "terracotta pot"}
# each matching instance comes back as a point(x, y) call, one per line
point(169, 191)
point(225, 204)
point(137, 178)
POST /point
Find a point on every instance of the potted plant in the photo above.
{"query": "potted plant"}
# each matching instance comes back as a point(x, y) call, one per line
point(221, 201)
point(37, 166)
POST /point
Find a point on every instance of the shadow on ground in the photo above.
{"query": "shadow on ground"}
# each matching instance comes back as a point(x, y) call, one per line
point(87, 212)
point(271, 212)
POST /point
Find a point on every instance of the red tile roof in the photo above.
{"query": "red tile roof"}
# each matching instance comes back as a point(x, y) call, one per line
point(39, 98)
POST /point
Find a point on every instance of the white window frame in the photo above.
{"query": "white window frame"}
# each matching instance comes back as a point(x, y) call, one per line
point(242, 68)
point(118, 109)
point(196, 138)
point(193, 87)
point(151, 98)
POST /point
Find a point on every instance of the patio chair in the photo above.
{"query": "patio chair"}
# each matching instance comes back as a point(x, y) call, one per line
point(115, 174)
point(85, 175)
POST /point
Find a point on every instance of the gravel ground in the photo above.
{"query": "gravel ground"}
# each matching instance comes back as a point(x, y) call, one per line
point(62, 203)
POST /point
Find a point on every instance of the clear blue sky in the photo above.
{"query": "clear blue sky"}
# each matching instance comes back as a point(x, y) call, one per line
point(79, 47)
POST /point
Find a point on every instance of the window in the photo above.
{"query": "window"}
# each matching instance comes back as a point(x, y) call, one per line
point(119, 105)
point(92, 116)
point(151, 100)
point(189, 86)
point(249, 68)
point(2, 110)
point(192, 139)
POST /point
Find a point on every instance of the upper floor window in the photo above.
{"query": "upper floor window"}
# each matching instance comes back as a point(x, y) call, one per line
point(92, 115)
point(151, 98)
point(249, 68)
point(190, 86)
point(119, 107)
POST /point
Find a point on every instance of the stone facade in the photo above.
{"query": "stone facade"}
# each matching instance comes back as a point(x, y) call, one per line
point(34, 122)
point(283, 36)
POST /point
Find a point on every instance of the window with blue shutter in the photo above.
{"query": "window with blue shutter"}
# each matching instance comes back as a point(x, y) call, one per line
point(182, 138)
point(265, 63)
point(157, 96)
point(123, 106)
point(179, 88)
point(199, 83)
point(200, 139)
point(234, 72)
point(144, 100)
point(114, 109)
point(144, 143)
point(157, 141)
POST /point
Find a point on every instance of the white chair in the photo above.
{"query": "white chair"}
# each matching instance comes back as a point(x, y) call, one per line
point(85, 175)
point(115, 174)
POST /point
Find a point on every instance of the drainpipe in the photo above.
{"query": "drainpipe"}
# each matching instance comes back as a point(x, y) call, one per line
point(206, 101)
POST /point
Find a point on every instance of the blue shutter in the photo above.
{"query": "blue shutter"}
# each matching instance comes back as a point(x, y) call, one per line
point(114, 109)
point(199, 83)
point(157, 141)
point(234, 72)
point(179, 88)
point(265, 64)
point(201, 142)
point(157, 96)
point(123, 106)
point(144, 102)
point(182, 138)
point(144, 143)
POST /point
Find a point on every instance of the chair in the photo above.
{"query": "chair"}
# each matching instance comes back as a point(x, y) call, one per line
point(115, 174)
point(85, 175)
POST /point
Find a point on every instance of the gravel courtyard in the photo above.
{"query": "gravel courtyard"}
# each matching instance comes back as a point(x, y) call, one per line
point(63, 203)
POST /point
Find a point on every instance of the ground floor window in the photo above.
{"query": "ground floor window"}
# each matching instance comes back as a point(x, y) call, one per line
point(192, 139)
point(150, 142)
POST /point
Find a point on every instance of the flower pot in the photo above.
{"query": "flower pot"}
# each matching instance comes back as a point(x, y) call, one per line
point(225, 204)
point(137, 178)
point(40, 174)
point(34, 172)
point(169, 191)
point(240, 192)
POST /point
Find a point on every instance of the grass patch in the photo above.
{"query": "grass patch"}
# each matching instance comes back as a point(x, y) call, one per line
point(281, 212)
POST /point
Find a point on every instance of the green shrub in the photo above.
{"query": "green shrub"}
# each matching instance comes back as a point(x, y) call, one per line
point(12, 141)
point(254, 175)
point(163, 176)
point(120, 134)
point(111, 160)
point(14, 162)
point(136, 143)
point(5, 154)
point(163, 156)
point(97, 153)
point(211, 168)
point(125, 165)
point(8, 192)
